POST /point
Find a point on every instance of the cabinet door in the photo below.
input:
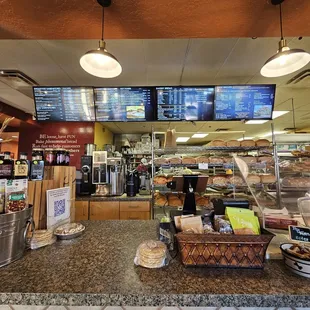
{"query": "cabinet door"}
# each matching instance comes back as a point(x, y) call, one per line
point(104, 210)
point(81, 210)
point(134, 215)
point(135, 206)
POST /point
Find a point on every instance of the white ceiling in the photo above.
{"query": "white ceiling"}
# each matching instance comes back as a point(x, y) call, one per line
point(161, 62)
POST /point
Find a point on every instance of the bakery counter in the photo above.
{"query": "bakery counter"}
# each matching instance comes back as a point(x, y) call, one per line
point(97, 269)
point(115, 198)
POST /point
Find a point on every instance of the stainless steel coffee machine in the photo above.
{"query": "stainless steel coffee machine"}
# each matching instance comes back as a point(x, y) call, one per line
point(116, 171)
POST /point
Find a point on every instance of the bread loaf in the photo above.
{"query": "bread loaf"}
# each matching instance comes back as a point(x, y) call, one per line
point(202, 160)
point(160, 180)
point(160, 199)
point(220, 181)
point(236, 180)
point(262, 142)
point(160, 161)
point(253, 179)
point(188, 160)
point(216, 160)
point(217, 143)
point(268, 178)
point(296, 182)
point(175, 160)
point(228, 160)
point(247, 143)
point(233, 143)
point(174, 201)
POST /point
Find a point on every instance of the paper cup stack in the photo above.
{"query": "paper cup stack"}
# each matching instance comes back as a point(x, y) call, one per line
point(151, 254)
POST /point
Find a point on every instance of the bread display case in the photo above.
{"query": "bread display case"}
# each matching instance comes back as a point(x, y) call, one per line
point(292, 153)
point(216, 162)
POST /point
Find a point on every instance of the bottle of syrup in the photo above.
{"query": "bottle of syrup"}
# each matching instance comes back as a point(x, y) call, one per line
point(37, 165)
point(21, 168)
point(6, 166)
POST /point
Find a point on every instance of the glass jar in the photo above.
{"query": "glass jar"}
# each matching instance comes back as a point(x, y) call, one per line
point(49, 157)
point(60, 157)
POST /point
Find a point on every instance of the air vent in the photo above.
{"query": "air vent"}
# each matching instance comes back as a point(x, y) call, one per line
point(18, 81)
point(222, 129)
point(301, 79)
point(289, 129)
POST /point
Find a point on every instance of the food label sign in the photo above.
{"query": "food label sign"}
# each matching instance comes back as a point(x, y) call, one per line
point(298, 233)
point(58, 206)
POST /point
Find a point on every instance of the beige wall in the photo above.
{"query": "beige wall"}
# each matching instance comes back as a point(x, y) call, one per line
point(102, 136)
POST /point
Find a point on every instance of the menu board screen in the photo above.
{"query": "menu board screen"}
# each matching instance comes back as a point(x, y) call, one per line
point(247, 102)
point(185, 103)
point(70, 104)
point(122, 104)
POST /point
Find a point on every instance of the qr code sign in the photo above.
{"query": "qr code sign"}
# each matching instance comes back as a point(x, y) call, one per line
point(59, 207)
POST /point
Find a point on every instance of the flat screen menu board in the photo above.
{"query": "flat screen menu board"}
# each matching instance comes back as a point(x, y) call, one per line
point(249, 102)
point(70, 104)
point(185, 103)
point(124, 104)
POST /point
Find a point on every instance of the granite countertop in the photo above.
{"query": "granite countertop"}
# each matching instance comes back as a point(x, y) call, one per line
point(115, 198)
point(97, 269)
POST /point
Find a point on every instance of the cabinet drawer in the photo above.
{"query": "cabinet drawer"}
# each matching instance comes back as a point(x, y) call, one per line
point(135, 206)
point(81, 210)
point(107, 210)
point(134, 215)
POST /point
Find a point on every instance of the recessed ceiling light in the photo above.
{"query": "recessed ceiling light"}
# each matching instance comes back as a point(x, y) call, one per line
point(276, 114)
point(269, 134)
point(1, 139)
point(199, 135)
point(256, 122)
point(183, 139)
point(245, 138)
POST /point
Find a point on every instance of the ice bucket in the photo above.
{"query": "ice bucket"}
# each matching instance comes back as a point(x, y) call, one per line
point(13, 235)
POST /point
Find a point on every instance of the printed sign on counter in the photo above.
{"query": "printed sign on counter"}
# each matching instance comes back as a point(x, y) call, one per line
point(298, 233)
point(58, 206)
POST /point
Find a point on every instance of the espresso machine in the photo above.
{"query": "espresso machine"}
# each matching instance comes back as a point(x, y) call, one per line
point(86, 185)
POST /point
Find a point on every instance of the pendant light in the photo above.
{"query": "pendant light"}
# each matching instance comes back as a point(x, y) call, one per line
point(100, 62)
point(286, 60)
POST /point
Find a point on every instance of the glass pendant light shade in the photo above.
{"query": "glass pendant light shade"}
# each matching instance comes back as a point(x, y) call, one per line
point(101, 63)
point(286, 61)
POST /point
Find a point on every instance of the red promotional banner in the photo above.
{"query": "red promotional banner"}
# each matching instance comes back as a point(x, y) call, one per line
point(64, 135)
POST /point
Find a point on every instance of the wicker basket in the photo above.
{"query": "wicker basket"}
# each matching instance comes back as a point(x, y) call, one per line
point(229, 251)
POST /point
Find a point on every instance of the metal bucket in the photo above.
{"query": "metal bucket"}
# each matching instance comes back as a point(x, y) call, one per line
point(13, 235)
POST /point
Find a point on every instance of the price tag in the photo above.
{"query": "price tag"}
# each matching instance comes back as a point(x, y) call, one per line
point(298, 233)
point(203, 166)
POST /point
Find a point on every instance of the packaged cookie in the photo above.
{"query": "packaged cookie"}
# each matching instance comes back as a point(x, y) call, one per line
point(16, 195)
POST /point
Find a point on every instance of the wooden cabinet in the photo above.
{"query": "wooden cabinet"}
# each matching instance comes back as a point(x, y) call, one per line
point(81, 210)
point(104, 210)
point(134, 210)
point(134, 215)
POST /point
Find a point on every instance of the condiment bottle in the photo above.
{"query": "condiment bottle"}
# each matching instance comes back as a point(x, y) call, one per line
point(37, 165)
point(21, 168)
point(6, 166)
